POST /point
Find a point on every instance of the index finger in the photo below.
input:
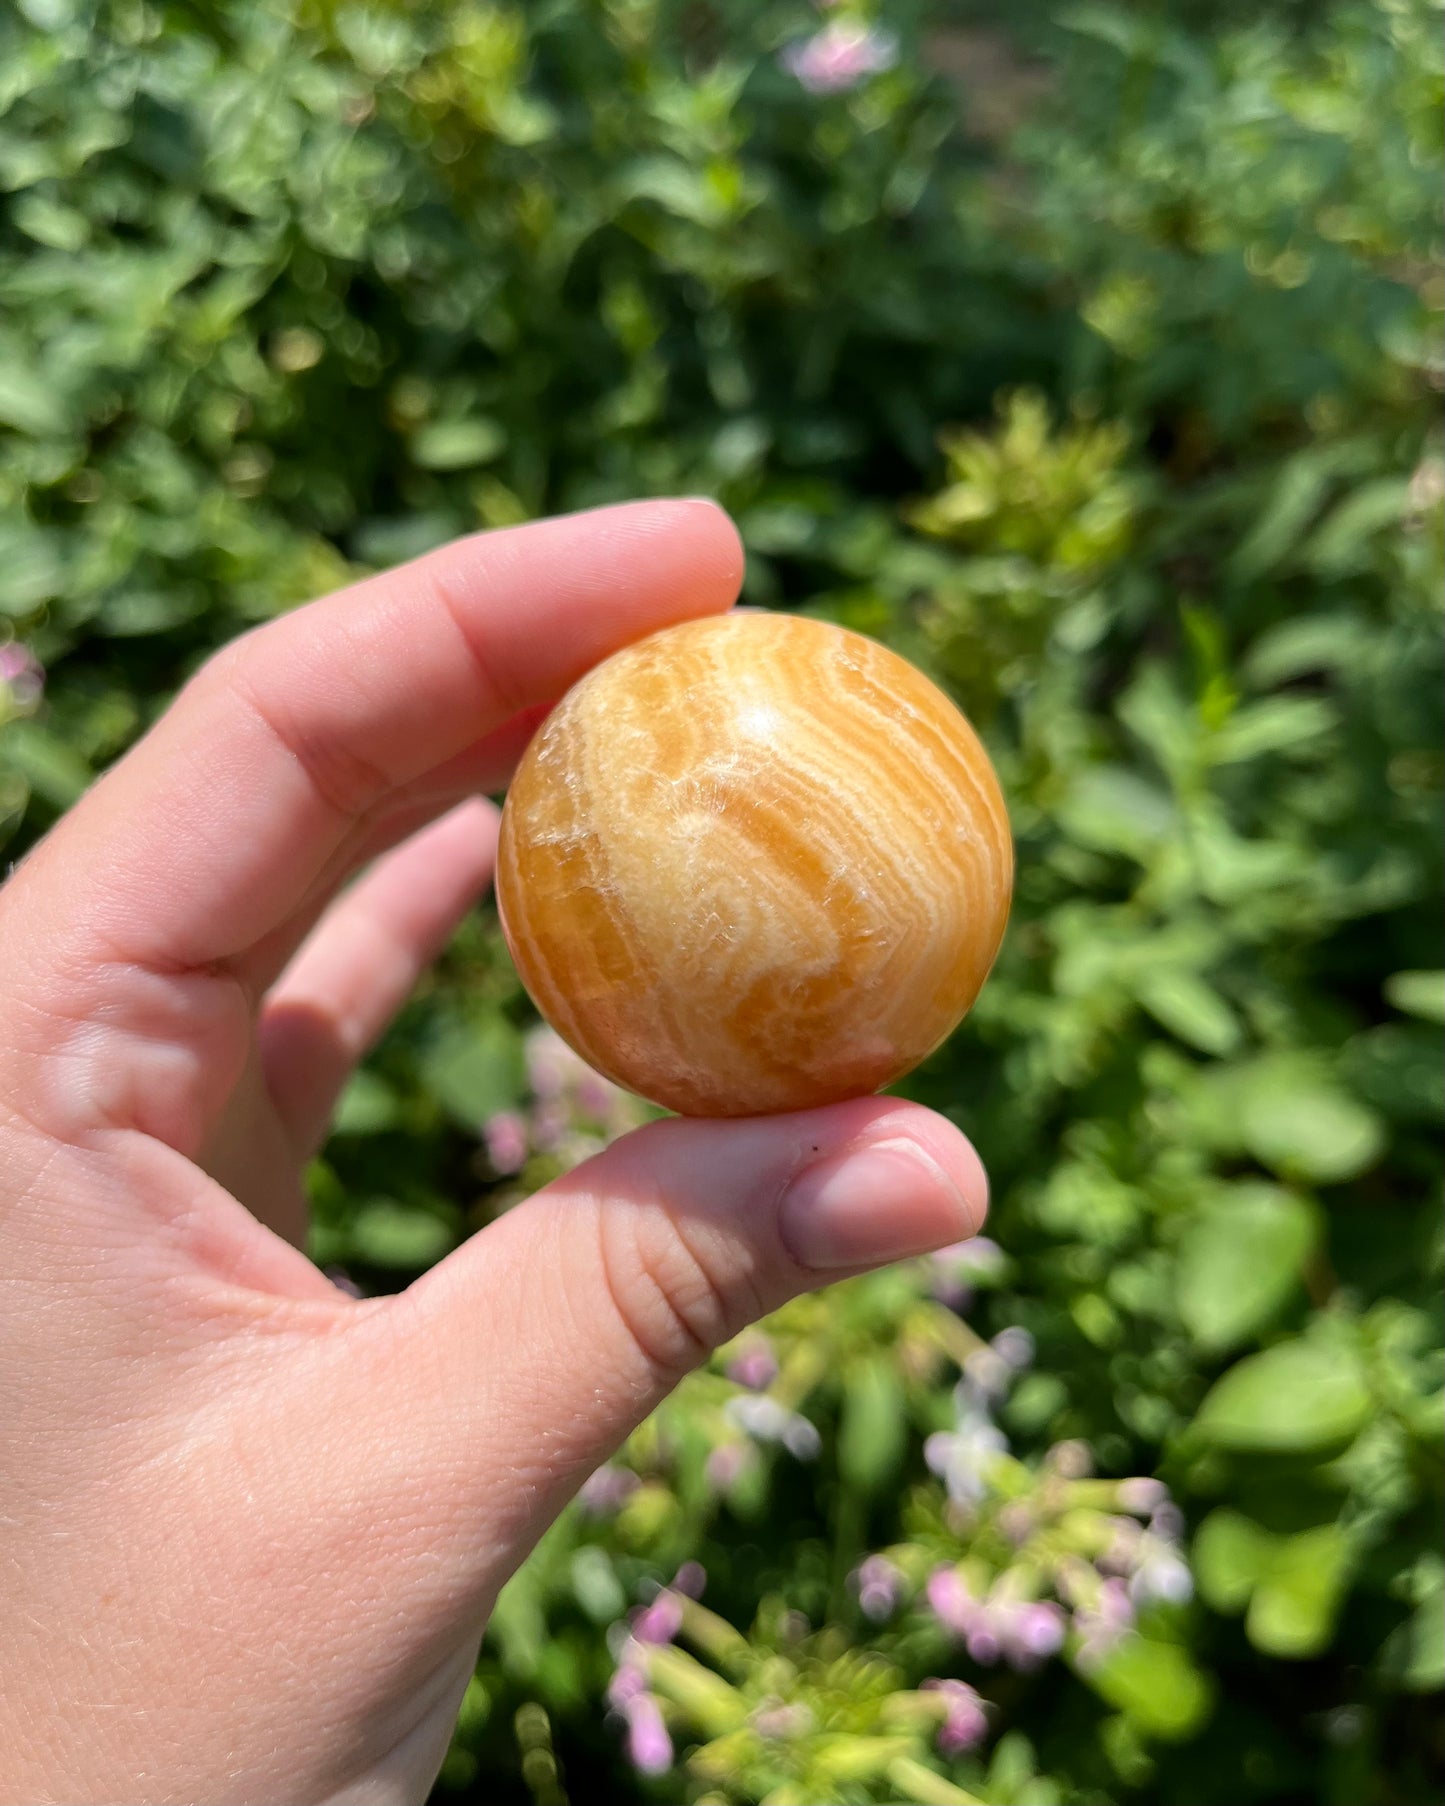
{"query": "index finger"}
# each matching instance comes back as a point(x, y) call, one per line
point(213, 829)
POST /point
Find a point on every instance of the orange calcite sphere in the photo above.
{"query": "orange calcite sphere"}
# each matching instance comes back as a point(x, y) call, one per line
point(754, 863)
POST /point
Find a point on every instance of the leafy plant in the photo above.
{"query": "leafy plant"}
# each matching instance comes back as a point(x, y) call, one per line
point(1123, 424)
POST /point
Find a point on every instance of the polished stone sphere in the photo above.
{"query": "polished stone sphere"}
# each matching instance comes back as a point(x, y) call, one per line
point(754, 863)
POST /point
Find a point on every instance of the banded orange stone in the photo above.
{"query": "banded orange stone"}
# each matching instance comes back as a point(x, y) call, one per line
point(754, 863)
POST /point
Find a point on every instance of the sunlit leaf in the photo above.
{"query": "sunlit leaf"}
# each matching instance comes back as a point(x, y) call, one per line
point(1294, 1398)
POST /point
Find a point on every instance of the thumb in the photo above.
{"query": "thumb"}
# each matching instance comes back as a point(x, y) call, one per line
point(554, 1331)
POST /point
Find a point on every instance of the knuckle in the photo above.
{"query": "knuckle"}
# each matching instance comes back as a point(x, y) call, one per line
point(343, 776)
point(678, 1291)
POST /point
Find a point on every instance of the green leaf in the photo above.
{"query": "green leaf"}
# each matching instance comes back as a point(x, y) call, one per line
point(388, 1234)
point(1240, 1260)
point(51, 768)
point(874, 1424)
point(595, 1585)
point(32, 566)
point(1295, 1121)
point(368, 1105)
point(1333, 642)
point(1116, 811)
point(457, 444)
point(29, 403)
point(1230, 1553)
point(1292, 1613)
point(1295, 500)
point(1400, 1068)
point(1296, 1398)
point(1156, 1685)
point(1182, 1002)
point(1279, 724)
point(1342, 542)
point(1412, 1657)
point(475, 1070)
point(1419, 994)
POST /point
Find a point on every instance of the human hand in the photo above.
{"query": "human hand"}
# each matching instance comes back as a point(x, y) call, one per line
point(251, 1527)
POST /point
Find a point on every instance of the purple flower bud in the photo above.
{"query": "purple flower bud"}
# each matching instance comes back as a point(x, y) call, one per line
point(21, 673)
point(1016, 1520)
point(1014, 1346)
point(950, 1600)
point(1161, 1577)
point(964, 1725)
point(754, 1364)
point(1142, 1495)
point(727, 1464)
point(1071, 1460)
point(1121, 1554)
point(986, 1376)
point(879, 1585)
point(801, 1438)
point(764, 1418)
point(659, 1622)
point(1104, 1621)
point(551, 1121)
point(628, 1680)
point(1032, 1631)
point(1167, 1522)
point(690, 1580)
point(648, 1743)
point(841, 55)
point(551, 1063)
point(963, 1457)
point(776, 1720)
point(505, 1135)
point(983, 1643)
point(607, 1490)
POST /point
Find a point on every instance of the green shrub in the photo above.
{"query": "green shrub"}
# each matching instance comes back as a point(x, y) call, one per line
point(1125, 430)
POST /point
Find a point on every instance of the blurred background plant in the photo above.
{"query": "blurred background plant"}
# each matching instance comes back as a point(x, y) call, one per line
point(1091, 356)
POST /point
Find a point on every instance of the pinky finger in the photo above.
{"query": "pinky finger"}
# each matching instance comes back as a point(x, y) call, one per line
point(360, 963)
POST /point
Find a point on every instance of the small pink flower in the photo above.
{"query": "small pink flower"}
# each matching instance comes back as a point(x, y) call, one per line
point(1032, 1632)
point(551, 1121)
point(1072, 1460)
point(690, 1579)
point(1167, 1522)
point(661, 1621)
point(950, 1600)
point(594, 1095)
point(648, 1744)
point(1016, 1520)
point(1121, 1556)
point(551, 1063)
point(625, 1685)
point(879, 1585)
point(1014, 1346)
point(775, 1720)
point(964, 1725)
point(727, 1464)
point(986, 1375)
point(1104, 1622)
point(840, 56)
point(754, 1365)
point(21, 673)
point(506, 1137)
point(607, 1490)
point(1160, 1577)
point(1142, 1495)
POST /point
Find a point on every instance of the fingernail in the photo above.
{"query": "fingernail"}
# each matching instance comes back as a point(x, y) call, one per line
point(884, 1202)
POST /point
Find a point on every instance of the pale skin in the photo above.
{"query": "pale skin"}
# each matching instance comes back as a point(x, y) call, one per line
point(251, 1527)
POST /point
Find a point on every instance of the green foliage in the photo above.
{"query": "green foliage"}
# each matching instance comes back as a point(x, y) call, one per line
point(1123, 424)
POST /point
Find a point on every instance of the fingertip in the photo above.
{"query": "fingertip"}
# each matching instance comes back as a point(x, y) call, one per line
point(709, 539)
point(956, 1156)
